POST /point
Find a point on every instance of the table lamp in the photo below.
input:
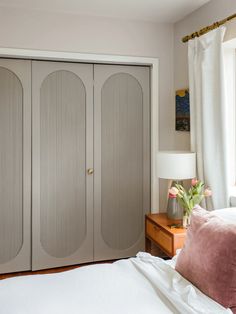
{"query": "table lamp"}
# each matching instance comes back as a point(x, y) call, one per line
point(176, 166)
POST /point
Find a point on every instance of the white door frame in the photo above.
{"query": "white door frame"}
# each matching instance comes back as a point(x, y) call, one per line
point(112, 59)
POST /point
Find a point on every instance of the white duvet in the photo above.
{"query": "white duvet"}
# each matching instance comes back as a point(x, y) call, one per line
point(141, 285)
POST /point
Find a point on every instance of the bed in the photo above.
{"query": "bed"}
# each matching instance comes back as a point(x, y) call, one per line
point(140, 285)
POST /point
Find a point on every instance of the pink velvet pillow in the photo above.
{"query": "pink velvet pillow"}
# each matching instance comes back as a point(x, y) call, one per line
point(208, 259)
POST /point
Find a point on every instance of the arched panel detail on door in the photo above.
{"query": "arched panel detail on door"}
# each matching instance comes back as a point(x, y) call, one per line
point(62, 163)
point(121, 161)
point(11, 161)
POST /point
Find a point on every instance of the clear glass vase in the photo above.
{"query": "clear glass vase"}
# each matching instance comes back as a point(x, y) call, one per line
point(186, 220)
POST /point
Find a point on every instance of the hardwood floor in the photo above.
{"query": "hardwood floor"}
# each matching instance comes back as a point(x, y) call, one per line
point(49, 271)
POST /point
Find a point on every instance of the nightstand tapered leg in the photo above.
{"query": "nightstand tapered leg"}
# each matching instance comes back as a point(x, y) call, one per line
point(148, 245)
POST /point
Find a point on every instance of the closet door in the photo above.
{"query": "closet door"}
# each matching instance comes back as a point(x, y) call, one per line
point(15, 165)
point(62, 152)
point(121, 159)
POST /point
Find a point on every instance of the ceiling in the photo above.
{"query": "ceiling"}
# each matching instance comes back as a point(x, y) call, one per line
point(169, 11)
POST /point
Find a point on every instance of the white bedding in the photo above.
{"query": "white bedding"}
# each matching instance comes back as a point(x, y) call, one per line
point(228, 214)
point(141, 285)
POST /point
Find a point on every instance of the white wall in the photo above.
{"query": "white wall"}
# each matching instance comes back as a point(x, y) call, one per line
point(213, 11)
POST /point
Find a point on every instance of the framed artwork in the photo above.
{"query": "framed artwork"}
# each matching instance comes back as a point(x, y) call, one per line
point(182, 120)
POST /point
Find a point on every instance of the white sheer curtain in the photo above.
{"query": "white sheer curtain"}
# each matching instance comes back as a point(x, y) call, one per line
point(209, 114)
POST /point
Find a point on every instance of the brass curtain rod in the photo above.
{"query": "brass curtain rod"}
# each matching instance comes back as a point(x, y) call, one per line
point(208, 28)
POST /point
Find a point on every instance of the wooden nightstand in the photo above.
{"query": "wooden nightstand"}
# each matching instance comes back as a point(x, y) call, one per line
point(158, 232)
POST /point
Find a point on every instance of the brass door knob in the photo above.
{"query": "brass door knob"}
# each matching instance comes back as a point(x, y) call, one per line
point(90, 171)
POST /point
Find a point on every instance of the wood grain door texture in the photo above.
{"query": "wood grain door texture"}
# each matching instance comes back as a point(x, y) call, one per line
point(15, 165)
point(85, 118)
point(62, 152)
point(121, 159)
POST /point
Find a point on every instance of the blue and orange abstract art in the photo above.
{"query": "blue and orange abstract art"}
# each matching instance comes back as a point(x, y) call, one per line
point(182, 110)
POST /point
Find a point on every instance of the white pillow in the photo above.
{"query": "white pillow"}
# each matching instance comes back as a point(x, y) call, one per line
point(228, 214)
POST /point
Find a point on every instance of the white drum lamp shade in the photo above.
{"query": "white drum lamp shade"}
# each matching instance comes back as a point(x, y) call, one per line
point(176, 165)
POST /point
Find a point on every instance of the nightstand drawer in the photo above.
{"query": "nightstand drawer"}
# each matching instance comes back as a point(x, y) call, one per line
point(160, 236)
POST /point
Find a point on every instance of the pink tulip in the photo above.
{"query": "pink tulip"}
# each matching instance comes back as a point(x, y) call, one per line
point(173, 191)
point(194, 181)
point(207, 192)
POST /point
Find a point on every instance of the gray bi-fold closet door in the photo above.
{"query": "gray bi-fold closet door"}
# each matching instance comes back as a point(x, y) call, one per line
point(121, 159)
point(15, 165)
point(90, 152)
point(62, 142)
point(89, 116)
